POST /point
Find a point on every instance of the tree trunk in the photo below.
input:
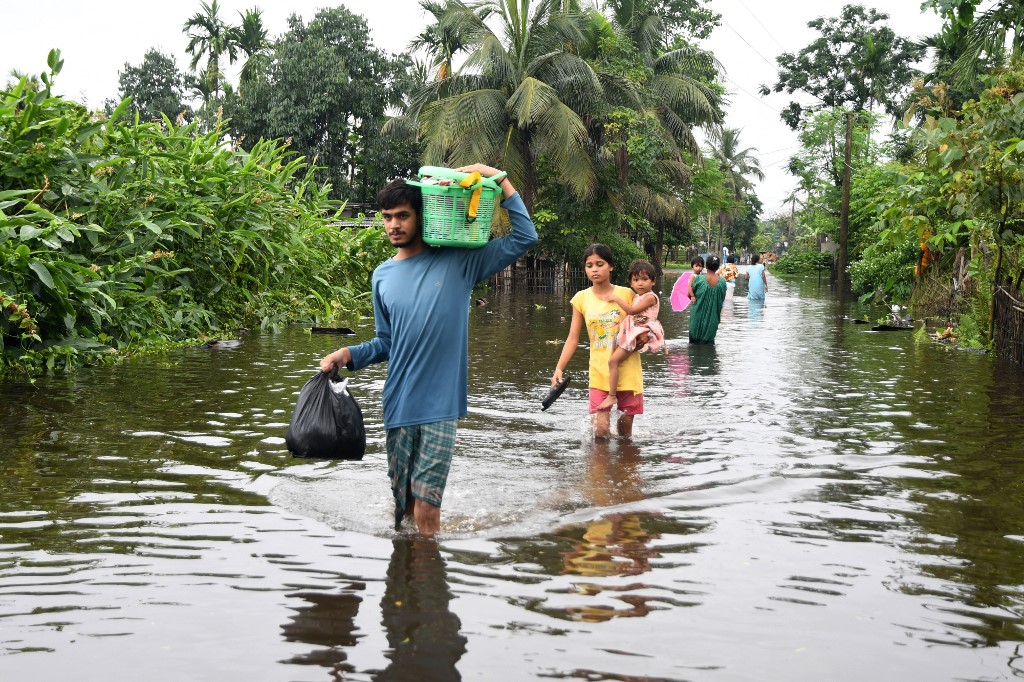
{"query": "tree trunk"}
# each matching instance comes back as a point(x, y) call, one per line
point(529, 191)
point(844, 215)
point(722, 217)
point(659, 244)
point(995, 288)
point(792, 219)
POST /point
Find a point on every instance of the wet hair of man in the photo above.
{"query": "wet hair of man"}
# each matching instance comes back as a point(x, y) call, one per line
point(398, 192)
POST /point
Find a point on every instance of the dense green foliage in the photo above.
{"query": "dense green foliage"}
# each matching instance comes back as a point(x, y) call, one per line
point(138, 230)
point(325, 88)
point(966, 186)
point(886, 271)
point(156, 88)
point(936, 213)
point(802, 261)
point(857, 62)
point(118, 235)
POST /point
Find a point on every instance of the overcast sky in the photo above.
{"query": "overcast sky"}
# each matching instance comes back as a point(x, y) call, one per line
point(97, 37)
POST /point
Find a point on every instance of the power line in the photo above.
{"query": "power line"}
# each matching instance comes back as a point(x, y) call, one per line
point(767, 61)
point(753, 96)
point(781, 149)
point(762, 25)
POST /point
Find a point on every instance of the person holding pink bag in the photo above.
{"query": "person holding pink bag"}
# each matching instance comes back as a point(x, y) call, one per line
point(682, 292)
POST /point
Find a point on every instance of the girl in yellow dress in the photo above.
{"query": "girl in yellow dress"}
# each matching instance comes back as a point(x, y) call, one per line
point(593, 308)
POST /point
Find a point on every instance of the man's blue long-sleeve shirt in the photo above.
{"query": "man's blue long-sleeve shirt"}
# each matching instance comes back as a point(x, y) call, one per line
point(421, 313)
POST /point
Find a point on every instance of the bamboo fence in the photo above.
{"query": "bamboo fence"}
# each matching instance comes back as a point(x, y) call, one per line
point(1009, 324)
point(539, 275)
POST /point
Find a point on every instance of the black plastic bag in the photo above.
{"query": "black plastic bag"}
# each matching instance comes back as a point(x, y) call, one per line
point(327, 422)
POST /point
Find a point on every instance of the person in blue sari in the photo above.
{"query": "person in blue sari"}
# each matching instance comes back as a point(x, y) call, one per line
point(757, 279)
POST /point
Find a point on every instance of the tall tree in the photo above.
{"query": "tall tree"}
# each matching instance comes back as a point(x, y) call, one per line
point(251, 38)
point(326, 89)
point(857, 62)
point(443, 40)
point(793, 198)
point(677, 82)
point(641, 139)
point(156, 87)
point(519, 98)
point(745, 224)
point(210, 37)
point(736, 163)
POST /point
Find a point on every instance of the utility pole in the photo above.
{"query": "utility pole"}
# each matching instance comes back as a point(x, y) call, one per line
point(792, 220)
point(844, 212)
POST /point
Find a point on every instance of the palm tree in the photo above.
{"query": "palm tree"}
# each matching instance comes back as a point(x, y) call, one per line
point(736, 164)
point(676, 87)
point(518, 99)
point(443, 39)
point(994, 33)
point(641, 23)
point(251, 38)
point(946, 46)
point(211, 37)
point(32, 82)
point(792, 199)
point(666, 98)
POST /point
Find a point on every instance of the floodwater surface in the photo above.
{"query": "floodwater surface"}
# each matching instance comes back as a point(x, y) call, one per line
point(804, 500)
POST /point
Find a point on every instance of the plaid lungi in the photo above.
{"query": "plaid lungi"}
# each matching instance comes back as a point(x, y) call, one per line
point(419, 458)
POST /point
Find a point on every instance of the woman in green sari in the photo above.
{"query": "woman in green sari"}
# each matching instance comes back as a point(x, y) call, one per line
point(708, 294)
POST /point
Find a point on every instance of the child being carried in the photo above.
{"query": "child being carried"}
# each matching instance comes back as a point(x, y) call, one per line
point(640, 331)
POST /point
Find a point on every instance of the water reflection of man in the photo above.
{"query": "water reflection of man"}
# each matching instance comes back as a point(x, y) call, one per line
point(326, 621)
point(422, 631)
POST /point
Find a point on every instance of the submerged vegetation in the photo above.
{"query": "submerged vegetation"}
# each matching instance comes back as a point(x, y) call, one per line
point(118, 235)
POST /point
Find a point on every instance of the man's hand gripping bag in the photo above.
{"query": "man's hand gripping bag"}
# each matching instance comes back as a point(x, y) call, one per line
point(327, 422)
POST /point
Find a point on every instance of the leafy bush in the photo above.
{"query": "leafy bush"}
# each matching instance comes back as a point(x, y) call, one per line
point(802, 261)
point(887, 269)
point(116, 235)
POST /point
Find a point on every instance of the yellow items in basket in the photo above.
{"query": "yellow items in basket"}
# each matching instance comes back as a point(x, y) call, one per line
point(457, 207)
point(474, 201)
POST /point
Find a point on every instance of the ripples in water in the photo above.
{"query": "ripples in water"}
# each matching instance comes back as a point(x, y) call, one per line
point(805, 499)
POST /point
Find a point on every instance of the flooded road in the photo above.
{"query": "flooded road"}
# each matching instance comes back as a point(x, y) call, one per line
point(804, 500)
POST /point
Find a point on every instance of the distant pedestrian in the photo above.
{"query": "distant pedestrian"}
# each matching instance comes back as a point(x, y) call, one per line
point(729, 271)
point(709, 295)
point(757, 279)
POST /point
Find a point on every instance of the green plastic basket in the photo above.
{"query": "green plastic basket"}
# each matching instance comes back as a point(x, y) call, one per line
point(445, 208)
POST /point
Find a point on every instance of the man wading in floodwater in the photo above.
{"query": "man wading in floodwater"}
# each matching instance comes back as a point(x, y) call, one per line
point(421, 302)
